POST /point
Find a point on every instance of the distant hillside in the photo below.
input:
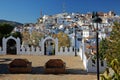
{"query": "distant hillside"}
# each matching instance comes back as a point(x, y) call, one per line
point(11, 22)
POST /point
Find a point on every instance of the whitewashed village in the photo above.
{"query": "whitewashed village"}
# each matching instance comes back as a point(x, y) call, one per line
point(72, 34)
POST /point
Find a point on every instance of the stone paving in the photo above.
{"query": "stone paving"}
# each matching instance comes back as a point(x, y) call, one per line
point(74, 68)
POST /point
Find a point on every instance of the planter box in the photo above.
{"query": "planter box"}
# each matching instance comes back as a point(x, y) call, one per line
point(55, 66)
point(20, 66)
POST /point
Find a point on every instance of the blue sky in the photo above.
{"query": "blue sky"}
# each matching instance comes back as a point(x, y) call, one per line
point(26, 11)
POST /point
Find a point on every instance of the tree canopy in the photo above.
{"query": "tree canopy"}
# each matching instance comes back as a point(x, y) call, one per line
point(63, 39)
point(33, 38)
point(113, 51)
point(5, 29)
point(103, 46)
point(110, 48)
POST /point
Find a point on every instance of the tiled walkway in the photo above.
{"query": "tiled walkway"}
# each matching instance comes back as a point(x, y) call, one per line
point(74, 68)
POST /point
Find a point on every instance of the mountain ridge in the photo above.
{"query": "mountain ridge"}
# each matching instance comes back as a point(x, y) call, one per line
point(13, 23)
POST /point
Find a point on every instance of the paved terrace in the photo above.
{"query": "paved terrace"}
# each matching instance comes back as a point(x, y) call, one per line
point(75, 69)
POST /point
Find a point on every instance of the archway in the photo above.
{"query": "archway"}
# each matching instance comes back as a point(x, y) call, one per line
point(11, 47)
point(49, 47)
point(52, 42)
point(8, 46)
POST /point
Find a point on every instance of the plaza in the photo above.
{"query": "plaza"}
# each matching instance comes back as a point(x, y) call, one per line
point(74, 68)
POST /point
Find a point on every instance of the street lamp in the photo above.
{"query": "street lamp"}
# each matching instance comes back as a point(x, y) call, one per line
point(75, 41)
point(97, 20)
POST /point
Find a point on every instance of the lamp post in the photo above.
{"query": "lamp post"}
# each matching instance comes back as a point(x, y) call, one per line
point(97, 20)
point(75, 41)
point(97, 50)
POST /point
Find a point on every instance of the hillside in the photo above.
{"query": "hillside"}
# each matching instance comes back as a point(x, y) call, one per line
point(11, 22)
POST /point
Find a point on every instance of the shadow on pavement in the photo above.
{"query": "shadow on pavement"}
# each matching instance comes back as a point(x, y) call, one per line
point(76, 71)
point(40, 70)
point(37, 70)
point(5, 59)
point(4, 69)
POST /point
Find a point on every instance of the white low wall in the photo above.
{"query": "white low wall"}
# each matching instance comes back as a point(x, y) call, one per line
point(92, 66)
point(30, 51)
point(83, 58)
point(1, 51)
point(89, 64)
point(37, 51)
point(66, 51)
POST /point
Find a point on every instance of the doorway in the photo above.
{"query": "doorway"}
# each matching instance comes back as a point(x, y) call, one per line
point(49, 47)
point(11, 47)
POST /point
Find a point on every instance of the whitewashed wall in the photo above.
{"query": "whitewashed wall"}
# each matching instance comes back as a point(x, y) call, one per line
point(83, 57)
point(30, 51)
point(1, 51)
point(88, 63)
point(36, 50)
point(92, 66)
point(66, 51)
